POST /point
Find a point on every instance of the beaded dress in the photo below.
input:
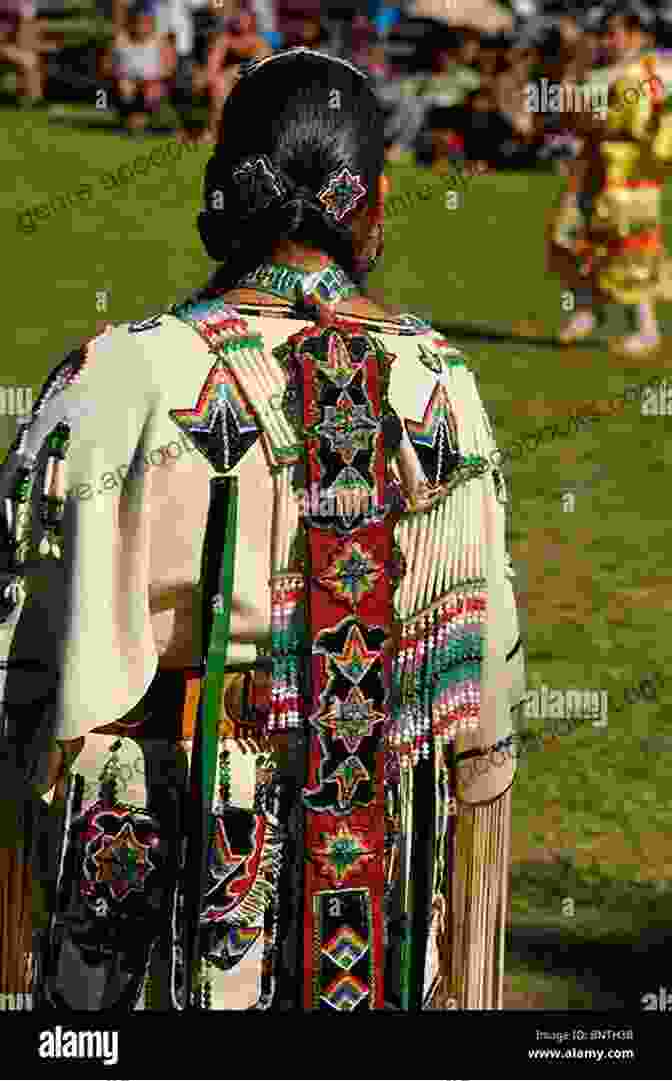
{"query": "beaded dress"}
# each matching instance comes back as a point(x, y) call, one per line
point(106, 502)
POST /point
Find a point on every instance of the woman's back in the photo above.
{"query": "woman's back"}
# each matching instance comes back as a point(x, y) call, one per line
point(179, 485)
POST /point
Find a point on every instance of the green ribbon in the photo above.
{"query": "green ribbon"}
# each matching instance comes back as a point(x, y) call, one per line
point(219, 553)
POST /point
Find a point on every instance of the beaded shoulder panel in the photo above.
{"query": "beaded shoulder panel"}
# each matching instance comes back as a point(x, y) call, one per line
point(220, 424)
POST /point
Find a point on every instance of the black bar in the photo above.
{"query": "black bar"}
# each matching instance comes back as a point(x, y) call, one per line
point(482, 1044)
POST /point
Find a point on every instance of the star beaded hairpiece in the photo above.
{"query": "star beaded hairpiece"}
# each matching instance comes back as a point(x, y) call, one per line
point(258, 183)
point(342, 193)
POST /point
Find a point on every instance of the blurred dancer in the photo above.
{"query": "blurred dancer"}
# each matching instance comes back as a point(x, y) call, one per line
point(606, 236)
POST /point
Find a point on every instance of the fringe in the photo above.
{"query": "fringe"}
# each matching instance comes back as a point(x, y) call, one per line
point(472, 946)
point(21, 1001)
point(15, 930)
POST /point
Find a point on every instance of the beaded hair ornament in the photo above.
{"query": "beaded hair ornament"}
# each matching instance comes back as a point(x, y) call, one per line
point(262, 183)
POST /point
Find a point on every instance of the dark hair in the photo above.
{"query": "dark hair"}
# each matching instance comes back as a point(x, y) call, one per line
point(310, 116)
point(631, 18)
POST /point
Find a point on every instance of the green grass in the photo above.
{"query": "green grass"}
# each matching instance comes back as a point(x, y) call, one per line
point(600, 588)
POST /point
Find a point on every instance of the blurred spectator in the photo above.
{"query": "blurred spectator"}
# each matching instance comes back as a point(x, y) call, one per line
point(175, 19)
point(384, 17)
point(510, 91)
point(362, 36)
point(238, 42)
point(491, 59)
point(143, 63)
point(488, 136)
point(309, 31)
point(442, 139)
point(403, 114)
point(564, 58)
point(450, 80)
point(19, 46)
point(377, 63)
point(266, 22)
point(491, 136)
point(408, 100)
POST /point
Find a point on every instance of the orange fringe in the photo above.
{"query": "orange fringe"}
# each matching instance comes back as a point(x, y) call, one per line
point(15, 922)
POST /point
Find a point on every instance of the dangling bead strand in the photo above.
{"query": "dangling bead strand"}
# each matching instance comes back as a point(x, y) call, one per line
point(206, 985)
point(52, 503)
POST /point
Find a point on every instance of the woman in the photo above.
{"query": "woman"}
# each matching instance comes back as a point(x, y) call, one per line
point(394, 863)
point(605, 236)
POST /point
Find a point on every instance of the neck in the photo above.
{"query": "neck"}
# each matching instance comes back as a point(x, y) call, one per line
point(300, 257)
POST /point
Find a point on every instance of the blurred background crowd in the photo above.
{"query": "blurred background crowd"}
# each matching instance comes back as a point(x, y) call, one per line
point(450, 74)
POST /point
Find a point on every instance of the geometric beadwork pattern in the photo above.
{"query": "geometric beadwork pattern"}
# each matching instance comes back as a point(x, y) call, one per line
point(241, 867)
point(220, 424)
point(341, 426)
point(345, 993)
point(352, 573)
point(348, 427)
point(433, 359)
point(352, 706)
point(434, 438)
point(343, 973)
point(226, 946)
point(342, 854)
point(342, 193)
point(120, 853)
point(345, 948)
point(351, 720)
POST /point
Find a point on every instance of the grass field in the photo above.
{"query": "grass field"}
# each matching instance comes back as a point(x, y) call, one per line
point(592, 812)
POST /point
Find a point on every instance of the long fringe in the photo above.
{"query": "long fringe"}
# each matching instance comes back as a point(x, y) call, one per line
point(15, 931)
point(472, 947)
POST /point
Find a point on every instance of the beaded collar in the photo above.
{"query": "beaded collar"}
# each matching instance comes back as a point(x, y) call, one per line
point(330, 284)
